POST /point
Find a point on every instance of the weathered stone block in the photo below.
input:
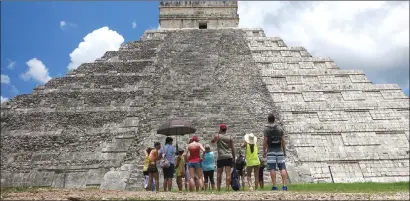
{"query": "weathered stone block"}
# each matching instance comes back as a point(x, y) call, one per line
point(76, 179)
point(115, 180)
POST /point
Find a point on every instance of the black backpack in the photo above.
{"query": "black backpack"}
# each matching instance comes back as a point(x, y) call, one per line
point(240, 162)
point(235, 184)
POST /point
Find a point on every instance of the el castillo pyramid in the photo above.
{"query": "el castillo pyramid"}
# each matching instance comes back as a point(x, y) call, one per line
point(90, 127)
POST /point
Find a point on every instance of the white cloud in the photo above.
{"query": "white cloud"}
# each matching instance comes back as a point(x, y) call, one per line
point(370, 36)
point(11, 64)
point(64, 25)
point(134, 25)
point(5, 79)
point(94, 46)
point(3, 99)
point(36, 71)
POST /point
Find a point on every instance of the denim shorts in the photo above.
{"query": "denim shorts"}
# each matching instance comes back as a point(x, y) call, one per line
point(194, 165)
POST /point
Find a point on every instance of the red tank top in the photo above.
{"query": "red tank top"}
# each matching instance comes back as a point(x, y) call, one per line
point(194, 155)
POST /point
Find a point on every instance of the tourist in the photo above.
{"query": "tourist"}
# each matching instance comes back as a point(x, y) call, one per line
point(274, 150)
point(145, 169)
point(208, 165)
point(261, 168)
point(194, 162)
point(154, 156)
point(226, 156)
point(240, 165)
point(168, 153)
point(180, 170)
point(252, 159)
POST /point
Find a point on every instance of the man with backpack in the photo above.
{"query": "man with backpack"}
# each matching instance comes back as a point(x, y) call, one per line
point(240, 166)
point(274, 150)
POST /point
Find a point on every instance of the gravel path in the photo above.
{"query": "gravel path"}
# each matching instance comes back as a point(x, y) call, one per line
point(93, 194)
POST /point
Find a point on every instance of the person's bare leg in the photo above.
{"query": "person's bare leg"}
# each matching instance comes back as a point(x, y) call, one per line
point(248, 177)
point(228, 178)
point(169, 184)
point(256, 175)
point(284, 177)
point(156, 177)
point(219, 178)
point(191, 179)
point(273, 176)
point(243, 179)
point(179, 183)
point(200, 177)
point(150, 179)
point(165, 181)
point(186, 183)
point(196, 184)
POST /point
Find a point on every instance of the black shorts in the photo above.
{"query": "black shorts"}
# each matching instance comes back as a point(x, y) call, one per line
point(169, 172)
point(145, 172)
point(224, 163)
point(209, 175)
point(152, 169)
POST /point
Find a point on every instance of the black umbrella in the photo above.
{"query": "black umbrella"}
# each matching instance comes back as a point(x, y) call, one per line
point(176, 127)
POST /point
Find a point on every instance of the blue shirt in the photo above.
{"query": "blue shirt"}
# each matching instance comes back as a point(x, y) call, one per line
point(170, 152)
point(208, 162)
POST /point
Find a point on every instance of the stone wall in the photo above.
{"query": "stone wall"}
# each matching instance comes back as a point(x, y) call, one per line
point(188, 14)
point(334, 118)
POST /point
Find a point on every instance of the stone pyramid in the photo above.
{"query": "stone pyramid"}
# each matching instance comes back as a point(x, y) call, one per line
point(90, 127)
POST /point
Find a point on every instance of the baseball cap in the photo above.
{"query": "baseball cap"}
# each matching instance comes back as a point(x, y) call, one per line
point(222, 126)
point(207, 147)
point(195, 139)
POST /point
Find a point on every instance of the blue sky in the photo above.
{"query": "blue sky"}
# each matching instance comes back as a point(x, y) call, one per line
point(50, 31)
point(32, 30)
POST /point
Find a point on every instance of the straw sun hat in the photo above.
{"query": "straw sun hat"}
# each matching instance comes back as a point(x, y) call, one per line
point(250, 138)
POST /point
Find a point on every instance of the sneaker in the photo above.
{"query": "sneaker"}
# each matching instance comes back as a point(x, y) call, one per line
point(284, 188)
point(274, 188)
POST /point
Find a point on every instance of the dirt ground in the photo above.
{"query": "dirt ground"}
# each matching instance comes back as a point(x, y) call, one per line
point(94, 194)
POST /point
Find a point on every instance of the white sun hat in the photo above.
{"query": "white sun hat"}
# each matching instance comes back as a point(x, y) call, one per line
point(250, 138)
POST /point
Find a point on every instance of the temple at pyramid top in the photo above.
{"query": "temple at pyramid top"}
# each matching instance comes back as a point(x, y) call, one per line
point(198, 14)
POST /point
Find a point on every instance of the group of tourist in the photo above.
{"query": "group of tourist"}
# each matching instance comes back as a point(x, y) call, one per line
point(196, 170)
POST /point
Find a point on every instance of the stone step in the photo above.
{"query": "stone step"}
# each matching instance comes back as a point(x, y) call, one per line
point(81, 98)
point(140, 45)
point(99, 80)
point(59, 120)
point(129, 54)
point(119, 67)
point(342, 106)
point(362, 88)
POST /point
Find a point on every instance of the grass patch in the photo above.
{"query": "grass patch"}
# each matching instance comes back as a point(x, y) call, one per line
point(366, 187)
